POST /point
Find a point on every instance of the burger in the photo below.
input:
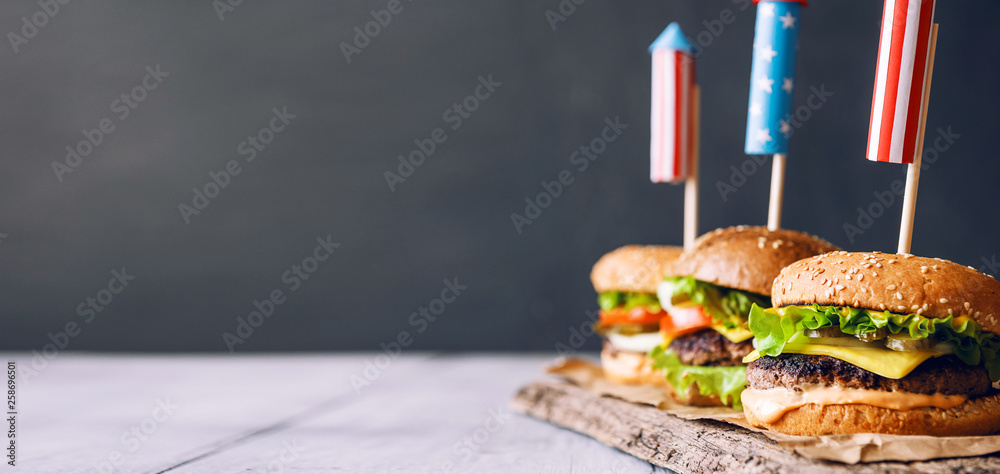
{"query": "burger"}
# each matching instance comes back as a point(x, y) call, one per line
point(876, 343)
point(708, 293)
point(630, 314)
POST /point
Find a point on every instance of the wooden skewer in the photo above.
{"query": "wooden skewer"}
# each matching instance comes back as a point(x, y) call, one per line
point(777, 191)
point(691, 183)
point(913, 169)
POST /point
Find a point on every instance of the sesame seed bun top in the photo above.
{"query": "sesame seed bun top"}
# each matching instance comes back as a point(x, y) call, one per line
point(905, 284)
point(746, 258)
point(633, 268)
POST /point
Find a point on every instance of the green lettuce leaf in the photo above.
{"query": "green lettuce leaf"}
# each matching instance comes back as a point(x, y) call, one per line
point(610, 300)
point(614, 299)
point(971, 344)
point(726, 382)
point(727, 307)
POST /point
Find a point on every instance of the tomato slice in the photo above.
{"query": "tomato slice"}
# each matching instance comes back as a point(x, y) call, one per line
point(685, 320)
point(638, 315)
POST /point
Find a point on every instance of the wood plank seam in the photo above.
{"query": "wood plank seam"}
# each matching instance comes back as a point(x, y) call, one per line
point(277, 427)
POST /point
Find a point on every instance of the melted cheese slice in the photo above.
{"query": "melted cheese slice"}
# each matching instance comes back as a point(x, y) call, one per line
point(735, 334)
point(771, 404)
point(884, 362)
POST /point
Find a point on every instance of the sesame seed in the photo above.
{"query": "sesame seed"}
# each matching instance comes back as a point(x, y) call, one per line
point(861, 277)
point(920, 311)
point(977, 314)
point(950, 313)
point(967, 306)
point(899, 295)
point(891, 287)
point(892, 260)
point(874, 274)
point(848, 277)
point(923, 269)
point(866, 265)
point(878, 265)
point(944, 300)
point(821, 270)
point(901, 307)
point(881, 306)
point(906, 255)
point(840, 287)
point(914, 307)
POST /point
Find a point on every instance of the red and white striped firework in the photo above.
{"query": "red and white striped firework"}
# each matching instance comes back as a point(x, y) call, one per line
point(900, 80)
point(672, 130)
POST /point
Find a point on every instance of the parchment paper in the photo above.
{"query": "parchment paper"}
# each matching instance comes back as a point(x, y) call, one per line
point(849, 449)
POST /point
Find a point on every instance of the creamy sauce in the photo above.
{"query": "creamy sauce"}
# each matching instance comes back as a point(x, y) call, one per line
point(770, 405)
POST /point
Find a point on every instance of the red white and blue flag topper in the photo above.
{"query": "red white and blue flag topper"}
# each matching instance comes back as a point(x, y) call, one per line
point(772, 76)
point(671, 128)
point(900, 80)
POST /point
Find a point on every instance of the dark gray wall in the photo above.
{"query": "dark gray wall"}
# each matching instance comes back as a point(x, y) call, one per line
point(323, 175)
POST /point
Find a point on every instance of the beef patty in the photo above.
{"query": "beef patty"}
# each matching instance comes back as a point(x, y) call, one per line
point(946, 375)
point(708, 347)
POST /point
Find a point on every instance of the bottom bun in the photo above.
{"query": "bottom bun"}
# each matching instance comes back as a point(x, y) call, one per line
point(635, 368)
point(630, 368)
point(975, 417)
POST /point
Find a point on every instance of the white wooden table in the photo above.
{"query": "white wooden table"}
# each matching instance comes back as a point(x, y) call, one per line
point(291, 413)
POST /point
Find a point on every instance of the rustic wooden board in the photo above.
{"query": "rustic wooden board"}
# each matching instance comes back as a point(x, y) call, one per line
point(695, 446)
